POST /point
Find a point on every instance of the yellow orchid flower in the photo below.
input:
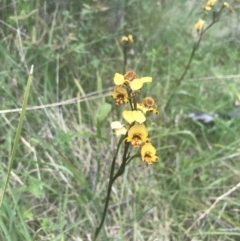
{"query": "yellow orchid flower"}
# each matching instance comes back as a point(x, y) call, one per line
point(120, 94)
point(137, 135)
point(130, 79)
point(148, 152)
point(199, 24)
point(148, 105)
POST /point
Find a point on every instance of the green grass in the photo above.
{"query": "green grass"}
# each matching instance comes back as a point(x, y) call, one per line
point(59, 178)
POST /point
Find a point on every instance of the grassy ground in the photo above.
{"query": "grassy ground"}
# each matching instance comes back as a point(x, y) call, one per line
point(190, 194)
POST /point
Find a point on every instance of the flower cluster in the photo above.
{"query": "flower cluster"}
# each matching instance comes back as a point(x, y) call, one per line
point(126, 91)
point(209, 5)
point(127, 39)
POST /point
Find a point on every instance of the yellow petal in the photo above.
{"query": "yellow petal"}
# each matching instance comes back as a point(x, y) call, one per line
point(142, 108)
point(155, 111)
point(131, 116)
point(130, 38)
point(146, 79)
point(114, 95)
point(118, 79)
point(128, 116)
point(206, 7)
point(142, 130)
point(136, 84)
point(199, 24)
point(124, 38)
point(148, 147)
point(138, 116)
point(211, 2)
point(226, 5)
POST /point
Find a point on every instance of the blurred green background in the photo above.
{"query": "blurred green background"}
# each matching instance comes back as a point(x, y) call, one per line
point(75, 49)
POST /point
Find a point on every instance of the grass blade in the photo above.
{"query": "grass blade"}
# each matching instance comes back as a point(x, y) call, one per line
point(18, 132)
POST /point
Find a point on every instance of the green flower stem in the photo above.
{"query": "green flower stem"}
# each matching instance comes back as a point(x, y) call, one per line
point(132, 157)
point(18, 132)
point(215, 19)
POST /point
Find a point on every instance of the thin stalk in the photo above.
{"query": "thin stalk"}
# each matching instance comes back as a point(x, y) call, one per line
point(215, 19)
point(111, 181)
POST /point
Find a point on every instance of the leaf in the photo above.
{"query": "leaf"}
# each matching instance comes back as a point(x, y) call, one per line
point(103, 111)
point(35, 187)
